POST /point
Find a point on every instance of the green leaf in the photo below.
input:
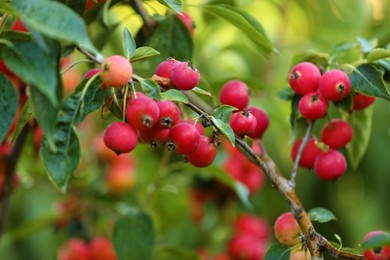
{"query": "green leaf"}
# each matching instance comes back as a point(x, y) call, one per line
point(24, 116)
point(174, 95)
point(35, 65)
point(278, 252)
point(54, 20)
point(168, 253)
point(295, 114)
point(9, 101)
point(340, 240)
point(299, 130)
point(223, 112)
point(342, 48)
point(142, 53)
point(225, 129)
point(150, 88)
point(366, 45)
point(378, 54)
point(201, 92)
point(377, 241)
point(317, 58)
point(321, 215)
point(61, 163)
point(368, 79)
point(133, 237)
point(129, 46)
point(361, 124)
point(76, 5)
point(175, 5)
point(245, 22)
point(286, 94)
point(346, 104)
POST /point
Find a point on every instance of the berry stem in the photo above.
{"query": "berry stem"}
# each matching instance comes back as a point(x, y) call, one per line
point(3, 18)
point(124, 102)
point(74, 64)
point(299, 154)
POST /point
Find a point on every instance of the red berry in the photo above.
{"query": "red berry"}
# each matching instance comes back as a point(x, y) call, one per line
point(101, 249)
point(250, 224)
point(361, 101)
point(205, 153)
point(19, 26)
point(120, 137)
point(116, 71)
point(187, 20)
point(142, 113)
point(337, 133)
point(313, 106)
point(246, 247)
point(287, 230)
point(334, 85)
point(376, 254)
point(243, 122)
point(198, 125)
point(262, 120)
point(169, 114)
point(74, 249)
point(330, 165)
point(119, 177)
point(185, 76)
point(164, 69)
point(184, 138)
point(91, 73)
point(235, 93)
point(304, 78)
point(309, 153)
point(154, 136)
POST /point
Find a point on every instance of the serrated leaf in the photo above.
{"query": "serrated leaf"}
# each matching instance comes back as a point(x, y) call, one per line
point(127, 235)
point(175, 5)
point(150, 88)
point(223, 112)
point(24, 116)
point(168, 253)
point(142, 53)
point(225, 129)
point(361, 122)
point(377, 241)
point(244, 22)
point(368, 79)
point(321, 215)
point(9, 101)
point(286, 94)
point(201, 91)
point(174, 95)
point(278, 252)
point(129, 46)
point(54, 20)
point(378, 54)
point(63, 161)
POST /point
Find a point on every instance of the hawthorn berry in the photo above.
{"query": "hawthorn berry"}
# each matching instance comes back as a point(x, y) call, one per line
point(116, 71)
point(313, 106)
point(101, 248)
point(74, 249)
point(361, 101)
point(246, 246)
point(304, 78)
point(205, 154)
point(184, 138)
point(262, 120)
point(250, 224)
point(337, 133)
point(19, 26)
point(376, 254)
point(154, 136)
point(169, 114)
point(309, 153)
point(164, 69)
point(198, 125)
point(330, 165)
point(287, 230)
point(185, 76)
point(243, 122)
point(142, 113)
point(120, 137)
point(235, 93)
point(334, 85)
point(119, 176)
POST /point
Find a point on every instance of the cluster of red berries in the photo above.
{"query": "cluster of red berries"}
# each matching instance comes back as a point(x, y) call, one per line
point(99, 247)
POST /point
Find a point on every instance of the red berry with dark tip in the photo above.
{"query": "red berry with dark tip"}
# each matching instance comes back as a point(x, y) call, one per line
point(334, 85)
point(184, 138)
point(243, 122)
point(169, 114)
point(185, 76)
point(235, 93)
point(164, 69)
point(262, 120)
point(361, 101)
point(154, 136)
point(313, 106)
point(337, 133)
point(116, 71)
point(205, 153)
point(330, 165)
point(304, 78)
point(309, 153)
point(120, 137)
point(143, 113)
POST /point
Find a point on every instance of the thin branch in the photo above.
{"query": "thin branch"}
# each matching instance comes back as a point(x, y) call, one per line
point(299, 154)
point(140, 9)
point(89, 56)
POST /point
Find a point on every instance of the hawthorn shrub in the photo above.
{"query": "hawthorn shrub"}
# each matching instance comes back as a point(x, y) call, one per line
point(162, 130)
